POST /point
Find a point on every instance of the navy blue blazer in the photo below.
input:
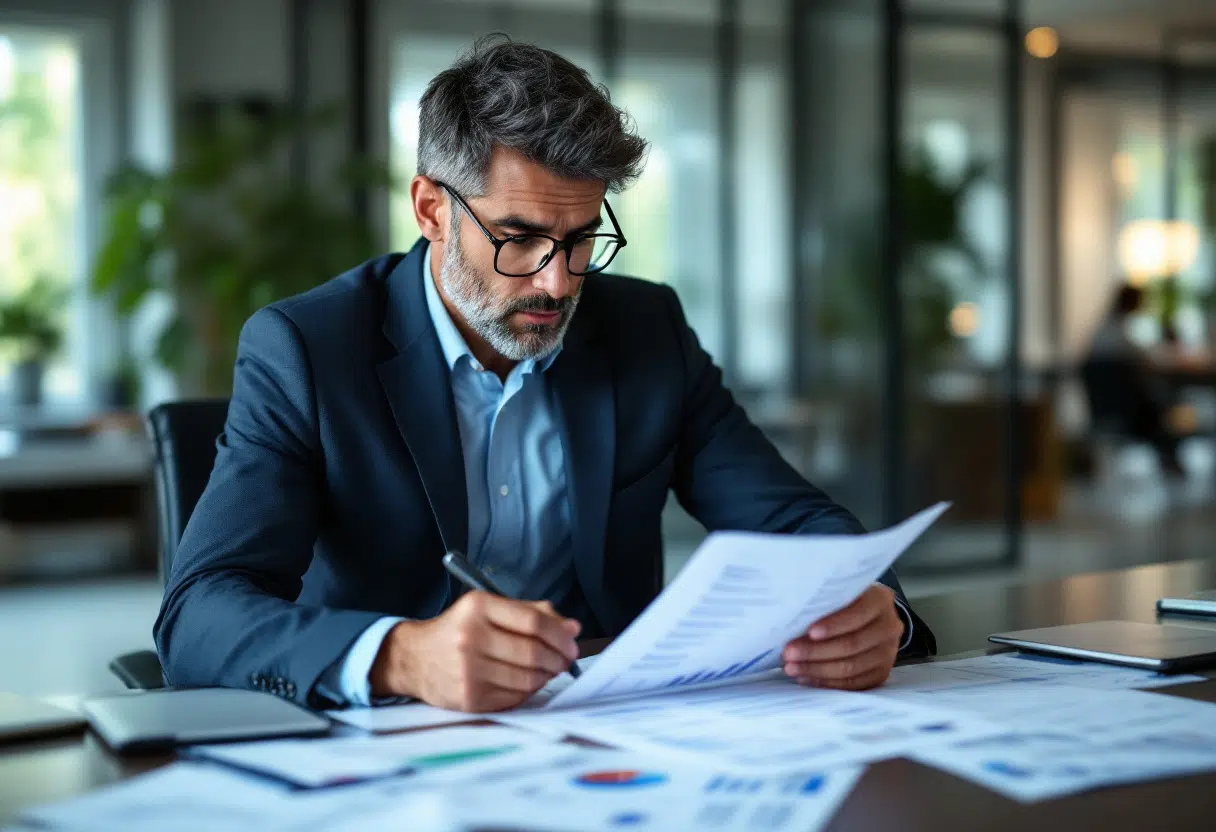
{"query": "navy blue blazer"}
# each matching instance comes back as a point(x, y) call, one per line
point(339, 475)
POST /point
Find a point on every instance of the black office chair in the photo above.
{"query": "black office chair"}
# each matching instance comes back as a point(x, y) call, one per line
point(183, 438)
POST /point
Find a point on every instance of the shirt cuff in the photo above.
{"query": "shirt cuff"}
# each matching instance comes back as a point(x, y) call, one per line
point(349, 677)
point(906, 615)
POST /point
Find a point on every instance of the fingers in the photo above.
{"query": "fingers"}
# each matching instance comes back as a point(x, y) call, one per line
point(484, 698)
point(520, 680)
point(847, 672)
point(535, 620)
point(865, 681)
point(520, 651)
point(869, 605)
point(884, 630)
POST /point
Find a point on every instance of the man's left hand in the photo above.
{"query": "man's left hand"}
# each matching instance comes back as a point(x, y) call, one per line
point(853, 649)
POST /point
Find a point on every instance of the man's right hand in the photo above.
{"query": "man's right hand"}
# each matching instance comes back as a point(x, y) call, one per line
point(484, 653)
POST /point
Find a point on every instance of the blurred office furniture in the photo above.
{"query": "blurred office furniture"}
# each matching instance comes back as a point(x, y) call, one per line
point(959, 454)
point(75, 493)
point(1126, 467)
point(894, 794)
point(183, 436)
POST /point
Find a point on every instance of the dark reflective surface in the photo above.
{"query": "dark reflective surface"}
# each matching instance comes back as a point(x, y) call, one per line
point(962, 621)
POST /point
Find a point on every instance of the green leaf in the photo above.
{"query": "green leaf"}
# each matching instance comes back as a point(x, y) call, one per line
point(173, 345)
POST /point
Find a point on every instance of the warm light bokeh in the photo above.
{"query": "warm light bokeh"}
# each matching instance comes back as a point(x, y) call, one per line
point(1152, 249)
point(1042, 42)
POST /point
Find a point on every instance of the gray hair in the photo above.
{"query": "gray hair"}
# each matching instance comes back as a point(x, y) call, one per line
point(533, 101)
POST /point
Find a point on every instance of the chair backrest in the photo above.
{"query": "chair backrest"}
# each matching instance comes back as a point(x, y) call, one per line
point(183, 436)
point(1116, 393)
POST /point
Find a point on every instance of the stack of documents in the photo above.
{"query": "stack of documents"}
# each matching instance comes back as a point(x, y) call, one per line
point(703, 730)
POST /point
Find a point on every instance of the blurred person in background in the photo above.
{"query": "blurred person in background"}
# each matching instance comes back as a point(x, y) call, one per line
point(1125, 393)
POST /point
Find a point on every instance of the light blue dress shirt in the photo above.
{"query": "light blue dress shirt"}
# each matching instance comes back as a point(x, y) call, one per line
point(519, 514)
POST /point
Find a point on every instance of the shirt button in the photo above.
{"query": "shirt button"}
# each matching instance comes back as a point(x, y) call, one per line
point(504, 491)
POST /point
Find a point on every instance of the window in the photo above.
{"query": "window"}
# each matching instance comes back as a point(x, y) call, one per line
point(668, 82)
point(41, 185)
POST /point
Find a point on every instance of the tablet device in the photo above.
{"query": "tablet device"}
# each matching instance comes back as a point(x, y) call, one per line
point(1201, 603)
point(22, 718)
point(1165, 648)
point(162, 719)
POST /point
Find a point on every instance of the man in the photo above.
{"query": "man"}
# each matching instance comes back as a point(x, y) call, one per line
point(453, 398)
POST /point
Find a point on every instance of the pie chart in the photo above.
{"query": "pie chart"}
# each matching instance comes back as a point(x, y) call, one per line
point(623, 779)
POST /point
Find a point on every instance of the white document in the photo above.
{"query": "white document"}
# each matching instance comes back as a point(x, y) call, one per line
point(1025, 667)
point(204, 797)
point(763, 726)
point(1061, 739)
point(391, 718)
point(736, 604)
point(1077, 711)
point(187, 797)
point(326, 762)
point(575, 789)
point(1029, 766)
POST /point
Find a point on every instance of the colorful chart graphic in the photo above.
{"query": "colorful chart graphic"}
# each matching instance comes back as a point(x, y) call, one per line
point(451, 758)
point(619, 779)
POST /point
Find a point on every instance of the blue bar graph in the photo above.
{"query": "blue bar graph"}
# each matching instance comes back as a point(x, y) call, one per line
point(730, 671)
point(722, 784)
point(736, 669)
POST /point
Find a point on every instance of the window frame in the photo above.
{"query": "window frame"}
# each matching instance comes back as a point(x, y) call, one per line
point(95, 27)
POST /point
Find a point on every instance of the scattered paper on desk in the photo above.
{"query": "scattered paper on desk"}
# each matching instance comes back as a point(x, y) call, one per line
point(1061, 739)
point(736, 604)
point(389, 718)
point(183, 797)
point(326, 762)
point(1025, 667)
point(1029, 766)
point(572, 788)
point(763, 726)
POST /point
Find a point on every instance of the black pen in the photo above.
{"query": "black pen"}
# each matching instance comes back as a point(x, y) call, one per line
point(474, 578)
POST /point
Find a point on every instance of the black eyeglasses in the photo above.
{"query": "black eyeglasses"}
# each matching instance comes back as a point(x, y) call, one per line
point(523, 255)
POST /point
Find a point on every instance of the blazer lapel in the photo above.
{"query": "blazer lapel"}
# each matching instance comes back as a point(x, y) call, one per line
point(419, 393)
point(581, 389)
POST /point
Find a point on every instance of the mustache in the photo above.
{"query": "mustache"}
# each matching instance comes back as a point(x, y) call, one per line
point(539, 303)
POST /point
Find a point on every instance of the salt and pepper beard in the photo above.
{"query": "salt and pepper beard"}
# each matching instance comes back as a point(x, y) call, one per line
point(491, 318)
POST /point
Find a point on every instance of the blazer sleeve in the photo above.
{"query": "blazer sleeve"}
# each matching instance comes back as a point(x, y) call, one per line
point(229, 616)
point(728, 475)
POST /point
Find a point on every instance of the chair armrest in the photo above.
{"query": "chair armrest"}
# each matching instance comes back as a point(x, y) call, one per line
point(140, 670)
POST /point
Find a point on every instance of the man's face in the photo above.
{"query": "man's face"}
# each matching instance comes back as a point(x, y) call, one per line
point(520, 317)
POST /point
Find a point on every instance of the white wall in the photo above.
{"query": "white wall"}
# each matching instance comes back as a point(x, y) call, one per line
point(1088, 271)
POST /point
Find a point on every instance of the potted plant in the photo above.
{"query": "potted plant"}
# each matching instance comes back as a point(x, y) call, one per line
point(227, 230)
point(30, 325)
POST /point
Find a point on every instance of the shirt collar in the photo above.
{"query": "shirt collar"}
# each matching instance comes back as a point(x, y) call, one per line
point(452, 342)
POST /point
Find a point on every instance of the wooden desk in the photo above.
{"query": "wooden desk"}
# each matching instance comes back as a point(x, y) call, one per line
point(895, 794)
